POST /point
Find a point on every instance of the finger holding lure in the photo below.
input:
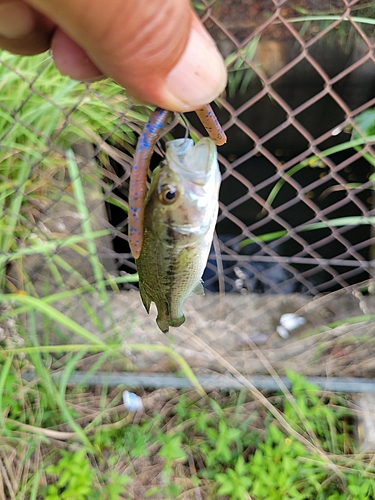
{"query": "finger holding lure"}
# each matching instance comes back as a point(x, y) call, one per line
point(142, 157)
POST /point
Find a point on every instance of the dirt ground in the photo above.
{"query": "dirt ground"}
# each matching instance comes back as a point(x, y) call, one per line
point(240, 330)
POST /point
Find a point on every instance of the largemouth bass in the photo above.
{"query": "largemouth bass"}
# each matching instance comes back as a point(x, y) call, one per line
point(180, 216)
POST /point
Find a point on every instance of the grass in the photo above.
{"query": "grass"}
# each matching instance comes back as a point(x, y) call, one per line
point(181, 445)
point(240, 73)
point(82, 443)
point(41, 114)
point(39, 120)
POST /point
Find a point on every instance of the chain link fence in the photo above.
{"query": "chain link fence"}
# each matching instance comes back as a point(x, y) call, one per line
point(297, 170)
point(296, 204)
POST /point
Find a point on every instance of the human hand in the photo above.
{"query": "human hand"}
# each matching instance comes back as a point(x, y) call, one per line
point(158, 50)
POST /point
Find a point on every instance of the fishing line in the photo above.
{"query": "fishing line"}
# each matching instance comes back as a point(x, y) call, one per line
point(187, 125)
point(185, 122)
point(160, 150)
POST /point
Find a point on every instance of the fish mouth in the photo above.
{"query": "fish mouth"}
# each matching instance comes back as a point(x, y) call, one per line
point(194, 162)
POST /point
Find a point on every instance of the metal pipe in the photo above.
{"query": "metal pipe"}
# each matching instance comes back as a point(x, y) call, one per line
point(211, 381)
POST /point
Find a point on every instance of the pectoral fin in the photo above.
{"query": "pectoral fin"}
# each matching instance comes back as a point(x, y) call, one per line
point(198, 290)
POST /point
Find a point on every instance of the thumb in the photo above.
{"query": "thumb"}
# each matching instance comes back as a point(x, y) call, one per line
point(158, 50)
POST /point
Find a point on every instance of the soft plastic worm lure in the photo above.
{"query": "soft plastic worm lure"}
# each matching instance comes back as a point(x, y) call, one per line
point(138, 177)
point(212, 125)
point(143, 153)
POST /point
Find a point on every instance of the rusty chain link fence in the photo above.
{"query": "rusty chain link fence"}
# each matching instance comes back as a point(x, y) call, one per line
point(297, 197)
point(297, 170)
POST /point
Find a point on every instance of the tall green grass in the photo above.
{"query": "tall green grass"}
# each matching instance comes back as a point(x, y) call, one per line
point(41, 114)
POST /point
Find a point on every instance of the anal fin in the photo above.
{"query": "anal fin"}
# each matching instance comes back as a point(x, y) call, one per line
point(145, 298)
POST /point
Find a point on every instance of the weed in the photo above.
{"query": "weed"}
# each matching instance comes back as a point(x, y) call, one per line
point(74, 477)
point(224, 444)
point(75, 480)
point(240, 73)
point(234, 482)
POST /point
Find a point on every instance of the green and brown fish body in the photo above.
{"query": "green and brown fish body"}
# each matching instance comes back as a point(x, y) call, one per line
point(179, 221)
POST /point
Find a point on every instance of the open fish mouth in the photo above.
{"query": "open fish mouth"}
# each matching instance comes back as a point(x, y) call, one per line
point(195, 162)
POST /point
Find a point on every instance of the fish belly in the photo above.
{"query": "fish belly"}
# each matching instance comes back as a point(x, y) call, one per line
point(167, 276)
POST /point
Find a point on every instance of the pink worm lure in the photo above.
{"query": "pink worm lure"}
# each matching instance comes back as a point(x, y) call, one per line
point(143, 153)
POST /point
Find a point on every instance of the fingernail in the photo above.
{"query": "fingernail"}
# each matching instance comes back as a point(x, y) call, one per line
point(94, 79)
point(16, 20)
point(199, 77)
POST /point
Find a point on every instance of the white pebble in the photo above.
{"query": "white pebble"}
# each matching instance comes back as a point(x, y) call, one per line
point(291, 321)
point(132, 402)
point(283, 332)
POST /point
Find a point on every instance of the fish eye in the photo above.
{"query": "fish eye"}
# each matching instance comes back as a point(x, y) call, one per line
point(168, 194)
